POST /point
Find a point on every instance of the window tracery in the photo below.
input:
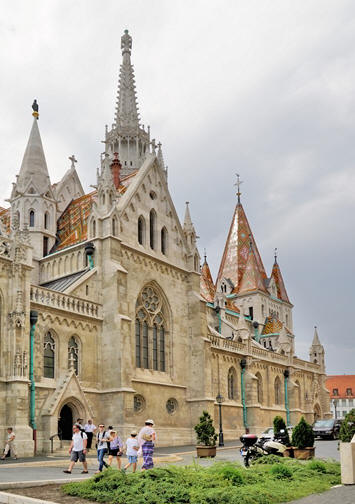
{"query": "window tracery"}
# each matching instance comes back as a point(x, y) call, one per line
point(48, 355)
point(150, 330)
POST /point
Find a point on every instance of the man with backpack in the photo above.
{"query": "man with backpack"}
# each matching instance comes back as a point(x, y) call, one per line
point(77, 449)
point(102, 446)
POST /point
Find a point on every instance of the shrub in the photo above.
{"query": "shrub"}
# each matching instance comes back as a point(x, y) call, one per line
point(317, 465)
point(279, 425)
point(347, 429)
point(302, 435)
point(280, 471)
point(206, 434)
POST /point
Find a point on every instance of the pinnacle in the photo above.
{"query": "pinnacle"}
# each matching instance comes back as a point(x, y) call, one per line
point(316, 340)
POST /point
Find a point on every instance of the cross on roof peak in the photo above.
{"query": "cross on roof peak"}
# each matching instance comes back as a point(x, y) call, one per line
point(238, 184)
point(73, 160)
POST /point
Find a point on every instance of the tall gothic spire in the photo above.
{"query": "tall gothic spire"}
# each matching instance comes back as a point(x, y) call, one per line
point(280, 285)
point(34, 175)
point(127, 136)
point(207, 288)
point(127, 109)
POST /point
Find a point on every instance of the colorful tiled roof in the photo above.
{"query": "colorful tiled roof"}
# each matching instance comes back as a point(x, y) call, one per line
point(341, 383)
point(272, 326)
point(72, 225)
point(5, 218)
point(251, 279)
point(280, 286)
point(207, 288)
point(236, 250)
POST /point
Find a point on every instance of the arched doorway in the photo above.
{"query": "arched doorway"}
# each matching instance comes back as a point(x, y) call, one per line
point(65, 422)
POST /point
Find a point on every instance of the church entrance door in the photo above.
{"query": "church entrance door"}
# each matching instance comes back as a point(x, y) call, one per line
point(65, 422)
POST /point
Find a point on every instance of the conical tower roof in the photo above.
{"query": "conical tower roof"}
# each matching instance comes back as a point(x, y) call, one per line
point(188, 226)
point(316, 340)
point(280, 286)
point(236, 251)
point(252, 279)
point(127, 109)
point(34, 172)
point(207, 288)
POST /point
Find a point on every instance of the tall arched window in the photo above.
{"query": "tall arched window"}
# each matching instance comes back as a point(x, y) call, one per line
point(152, 225)
point(141, 230)
point(151, 330)
point(93, 228)
point(232, 383)
point(163, 240)
point(46, 220)
point(73, 355)
point(48, 355)
point(32, 218)
point(259, 388)
point(277, 390)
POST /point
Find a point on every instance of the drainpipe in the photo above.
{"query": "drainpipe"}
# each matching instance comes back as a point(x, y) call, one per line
point(89, 251)
point(286, 375)
point(243, 365)
point(33, 322)
point(256, 331)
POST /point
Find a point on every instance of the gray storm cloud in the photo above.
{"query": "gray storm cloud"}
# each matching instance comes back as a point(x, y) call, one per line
point(264, 89)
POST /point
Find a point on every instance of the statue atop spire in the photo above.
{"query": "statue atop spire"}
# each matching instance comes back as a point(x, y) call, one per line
point(126, 43)
point(35, 109)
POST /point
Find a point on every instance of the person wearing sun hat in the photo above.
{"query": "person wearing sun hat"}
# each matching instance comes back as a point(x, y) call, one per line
point(146, 439)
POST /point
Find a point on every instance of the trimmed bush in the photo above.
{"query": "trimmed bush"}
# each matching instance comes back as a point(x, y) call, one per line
point(347, 429)
point(317, 465)
point(205, 431)
point(302, 435)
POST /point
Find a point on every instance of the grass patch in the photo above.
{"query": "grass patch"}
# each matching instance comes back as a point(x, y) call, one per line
point(263, 483)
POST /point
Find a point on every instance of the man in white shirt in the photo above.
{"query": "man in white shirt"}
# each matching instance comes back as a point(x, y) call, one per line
point(77, 450)
point(89, 429)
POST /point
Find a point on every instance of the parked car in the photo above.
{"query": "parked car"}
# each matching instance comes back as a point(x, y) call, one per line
point(269, 433)
point(327, 428)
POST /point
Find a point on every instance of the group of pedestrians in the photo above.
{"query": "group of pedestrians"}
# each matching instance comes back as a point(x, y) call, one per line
point(109, 442)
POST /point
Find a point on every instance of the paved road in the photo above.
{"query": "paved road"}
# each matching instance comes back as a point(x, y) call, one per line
point(49, 468)
point(339, 495)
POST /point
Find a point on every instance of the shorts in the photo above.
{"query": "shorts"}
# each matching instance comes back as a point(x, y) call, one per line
point(132, 459)
point(115, 452)
point(77, 455)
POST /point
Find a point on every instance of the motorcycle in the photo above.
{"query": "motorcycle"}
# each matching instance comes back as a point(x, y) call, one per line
point(254, 447)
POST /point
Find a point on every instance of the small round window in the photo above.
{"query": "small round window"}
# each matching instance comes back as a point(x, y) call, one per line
point(139, 403)
point(171, 406)
point(153, 195)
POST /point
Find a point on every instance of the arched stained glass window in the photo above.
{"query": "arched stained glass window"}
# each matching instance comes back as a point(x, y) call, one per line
point(232, 383)
point(48, 355)
point(152, 225)
point(32, 218)
point(141, 230)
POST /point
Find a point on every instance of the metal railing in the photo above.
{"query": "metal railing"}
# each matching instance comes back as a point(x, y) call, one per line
point(52, 438)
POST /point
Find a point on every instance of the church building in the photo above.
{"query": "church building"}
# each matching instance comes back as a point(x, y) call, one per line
point(106, 312)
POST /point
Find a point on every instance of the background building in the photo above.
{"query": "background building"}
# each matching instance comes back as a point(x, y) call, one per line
point(342, 394)
point(129, 324)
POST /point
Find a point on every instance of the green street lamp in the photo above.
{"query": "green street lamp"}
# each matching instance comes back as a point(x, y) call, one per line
point(220, 400)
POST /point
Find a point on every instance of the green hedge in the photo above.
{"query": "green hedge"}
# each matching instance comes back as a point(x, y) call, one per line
point(263, 483)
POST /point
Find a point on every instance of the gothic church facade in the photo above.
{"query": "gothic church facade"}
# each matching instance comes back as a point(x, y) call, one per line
point(125, 324)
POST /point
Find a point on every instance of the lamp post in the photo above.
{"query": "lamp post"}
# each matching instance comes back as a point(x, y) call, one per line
point(335, 408)
point(220, 400)
point(33, 322)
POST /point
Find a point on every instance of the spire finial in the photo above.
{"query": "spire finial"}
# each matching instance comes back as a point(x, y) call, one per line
point(275, 254)
point(73, 160)
point(35, 109)
point(205, 254)
point(126, 43)
point(238, 184)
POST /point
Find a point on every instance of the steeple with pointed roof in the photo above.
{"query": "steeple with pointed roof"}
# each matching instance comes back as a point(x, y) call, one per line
point(236, 253)
point(33, 177)
point(316, 351)
point(251, 279)
point(280, 286)
point(191, 237)
point(127, 136)
point(207, 287)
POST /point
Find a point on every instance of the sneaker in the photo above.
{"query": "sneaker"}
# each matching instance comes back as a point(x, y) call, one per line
point(84, 472)
point(67, 472)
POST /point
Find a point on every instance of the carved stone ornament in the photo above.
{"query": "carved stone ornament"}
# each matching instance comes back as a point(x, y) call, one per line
point(17, 319)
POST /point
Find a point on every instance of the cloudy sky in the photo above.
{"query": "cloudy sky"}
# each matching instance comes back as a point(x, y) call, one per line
point(262, 88)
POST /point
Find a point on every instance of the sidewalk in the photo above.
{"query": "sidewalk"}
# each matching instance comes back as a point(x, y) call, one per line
point(337, 495)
